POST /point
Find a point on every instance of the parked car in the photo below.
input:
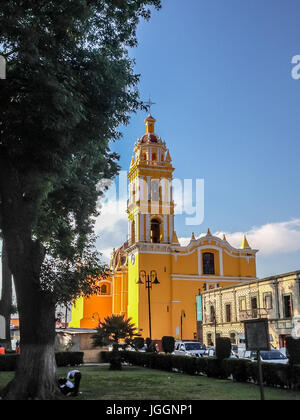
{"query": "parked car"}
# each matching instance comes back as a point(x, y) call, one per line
point(283, 351)
point(249, 355)
point(235, 350)
point(189, 348)
point(272, 356)
point(211, 352)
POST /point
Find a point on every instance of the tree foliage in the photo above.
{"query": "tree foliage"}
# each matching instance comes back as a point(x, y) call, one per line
point(70, 84)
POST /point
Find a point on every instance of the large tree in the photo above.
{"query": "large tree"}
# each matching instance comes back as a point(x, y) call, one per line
point(6, 304)
point(70, 85)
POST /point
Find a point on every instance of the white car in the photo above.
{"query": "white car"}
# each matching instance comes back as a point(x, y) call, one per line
point(189, 348)
point(272, 356)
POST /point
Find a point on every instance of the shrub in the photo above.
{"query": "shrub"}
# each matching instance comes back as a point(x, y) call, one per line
point(69, 359)
point(238, 369)
point(168, 344)
point(8, 363)
point(138, 343)
point(223, 348)
point(293, 350)
point(151, 348)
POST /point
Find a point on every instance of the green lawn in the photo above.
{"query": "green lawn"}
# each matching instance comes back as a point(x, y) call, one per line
point(133, 383)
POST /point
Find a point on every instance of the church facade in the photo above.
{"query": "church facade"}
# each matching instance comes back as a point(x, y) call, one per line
point(153, 278)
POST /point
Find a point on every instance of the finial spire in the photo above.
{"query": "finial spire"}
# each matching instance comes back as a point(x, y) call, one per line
point(175, 240)
point(245, 243)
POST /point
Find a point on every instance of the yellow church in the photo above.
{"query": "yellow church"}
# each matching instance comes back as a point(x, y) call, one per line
point(153, 278)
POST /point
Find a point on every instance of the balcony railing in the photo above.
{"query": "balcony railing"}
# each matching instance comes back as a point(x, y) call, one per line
point(257, 313)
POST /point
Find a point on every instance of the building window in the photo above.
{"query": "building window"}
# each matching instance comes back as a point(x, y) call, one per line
point(254, 306)
point(228, 313)
point(268, 301)
point(104, 289)
point(243, 303)
point(208, 263)
point(155, 231)
point(213, 317)
point(233, 338)
point(287, 306)
point(209, 340)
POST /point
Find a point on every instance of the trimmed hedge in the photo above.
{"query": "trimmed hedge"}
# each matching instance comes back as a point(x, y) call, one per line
point(275, 375)
point(69, 359)
point(168, 344)
point(8, 362)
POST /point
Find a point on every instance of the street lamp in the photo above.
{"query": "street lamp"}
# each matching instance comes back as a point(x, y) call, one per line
point(149, 280)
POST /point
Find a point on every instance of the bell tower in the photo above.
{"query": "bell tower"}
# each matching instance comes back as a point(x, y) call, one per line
point(150, 206)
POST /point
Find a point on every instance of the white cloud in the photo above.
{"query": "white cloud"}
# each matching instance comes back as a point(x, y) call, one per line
point(269, 239)
point(112, 227)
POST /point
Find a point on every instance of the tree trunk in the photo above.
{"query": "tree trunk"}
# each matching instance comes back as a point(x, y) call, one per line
point(35, 377)
point(6, 296)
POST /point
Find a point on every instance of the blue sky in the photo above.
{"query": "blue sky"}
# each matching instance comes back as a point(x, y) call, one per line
point(228, 108)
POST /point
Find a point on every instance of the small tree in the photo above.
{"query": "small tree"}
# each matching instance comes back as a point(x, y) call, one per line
point(110, 332)
point(223, 348)
point(168, 344)
point(151, 348)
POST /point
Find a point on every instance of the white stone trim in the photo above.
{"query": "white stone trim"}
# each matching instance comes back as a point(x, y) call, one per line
point(211, 279)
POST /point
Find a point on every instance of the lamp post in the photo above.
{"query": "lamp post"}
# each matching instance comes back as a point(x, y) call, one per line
point(183, 315)
point(149, 280)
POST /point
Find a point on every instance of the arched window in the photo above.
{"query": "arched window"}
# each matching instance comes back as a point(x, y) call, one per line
point(155, 231)
point(103, 289)
point(208, 263)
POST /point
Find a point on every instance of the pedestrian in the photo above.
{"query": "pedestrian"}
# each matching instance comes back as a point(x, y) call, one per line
point(75, 377)
point(70, 386)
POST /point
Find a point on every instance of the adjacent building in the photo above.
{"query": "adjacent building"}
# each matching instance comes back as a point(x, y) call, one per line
point(276, 298)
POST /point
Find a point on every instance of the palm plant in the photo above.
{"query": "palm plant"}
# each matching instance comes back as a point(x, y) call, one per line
point(118, 332)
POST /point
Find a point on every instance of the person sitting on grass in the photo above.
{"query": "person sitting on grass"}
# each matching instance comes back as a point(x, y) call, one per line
point(70, 386)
